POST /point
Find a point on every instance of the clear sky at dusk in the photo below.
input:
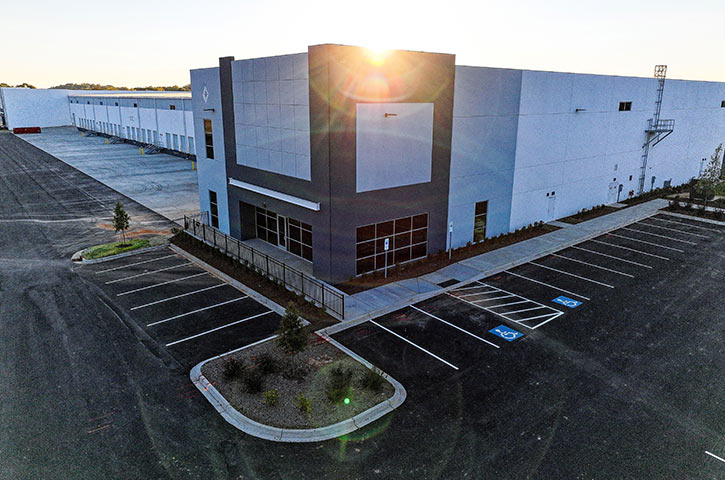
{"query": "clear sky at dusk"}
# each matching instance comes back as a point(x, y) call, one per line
point(136, 43)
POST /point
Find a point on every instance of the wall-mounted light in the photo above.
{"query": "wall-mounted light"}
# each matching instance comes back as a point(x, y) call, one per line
point(391, 115)
point(580, 110)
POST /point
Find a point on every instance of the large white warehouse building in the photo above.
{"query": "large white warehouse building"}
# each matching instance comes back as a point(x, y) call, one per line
point(334, 153)
point(164, 119)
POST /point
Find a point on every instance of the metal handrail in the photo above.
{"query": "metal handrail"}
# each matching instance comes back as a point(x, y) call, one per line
point(293, 279)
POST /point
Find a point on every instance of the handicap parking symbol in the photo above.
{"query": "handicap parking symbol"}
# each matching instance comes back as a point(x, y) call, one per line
point(506, 333)
point(567, 302)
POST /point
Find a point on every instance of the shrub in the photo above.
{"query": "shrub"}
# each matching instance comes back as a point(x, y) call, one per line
point(338, 385)
point(303, 404)
point(271, 397)
point(233, 368)
point(267, 364)
point(294, 370)
point(253, 382)
point(291, 336)
point(372, 380)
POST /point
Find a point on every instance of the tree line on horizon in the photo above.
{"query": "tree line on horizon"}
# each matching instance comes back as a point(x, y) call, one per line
point(98, 86)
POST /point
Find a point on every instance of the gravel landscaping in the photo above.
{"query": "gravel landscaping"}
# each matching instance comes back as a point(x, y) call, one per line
point(307, 373)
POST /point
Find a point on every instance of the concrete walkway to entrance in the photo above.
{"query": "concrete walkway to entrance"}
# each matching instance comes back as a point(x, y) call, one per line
point(378, 301)
point(164, 183)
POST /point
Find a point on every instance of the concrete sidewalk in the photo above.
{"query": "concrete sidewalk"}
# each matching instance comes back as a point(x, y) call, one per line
point(386, 298)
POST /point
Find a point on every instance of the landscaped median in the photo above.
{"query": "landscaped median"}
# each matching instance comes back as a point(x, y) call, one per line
point(320, 393)
point(107, 250)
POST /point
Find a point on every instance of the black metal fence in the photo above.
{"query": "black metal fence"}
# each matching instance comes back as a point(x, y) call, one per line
point(291, 278)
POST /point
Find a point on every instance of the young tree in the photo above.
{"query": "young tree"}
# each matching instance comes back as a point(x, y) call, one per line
point(291, 336)
point(710, 176)
point(120, 220)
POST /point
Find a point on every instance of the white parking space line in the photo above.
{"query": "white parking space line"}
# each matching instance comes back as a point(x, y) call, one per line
point(478, 293)
point(218, 328)
point(715, 456)
point(507, 304)
point(537, 317)
point(455, 326)
point(178, 296)
point(196, 311)
point(611, 256)
point(659, 236)
point(592, 265)
point(413, 344)
point(162, 283)
point(547, 285)
point(134, 264)
point(642, 241)
point(672, 229)
point(523, 310)
point(686, 224)
point(572, 275)
point(148, 273)
point(630, 249)
point(477, 286)
point(494, 298)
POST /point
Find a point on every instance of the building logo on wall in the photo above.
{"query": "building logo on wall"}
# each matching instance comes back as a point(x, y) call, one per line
point(205, 94)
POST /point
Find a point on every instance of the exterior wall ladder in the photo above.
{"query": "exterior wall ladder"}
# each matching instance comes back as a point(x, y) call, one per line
point(657, 130)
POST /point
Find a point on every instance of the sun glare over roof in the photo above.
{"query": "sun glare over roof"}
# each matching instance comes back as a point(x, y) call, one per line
point(377, 54)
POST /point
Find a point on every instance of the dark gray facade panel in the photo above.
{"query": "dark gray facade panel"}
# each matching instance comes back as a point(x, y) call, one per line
point(424, 77)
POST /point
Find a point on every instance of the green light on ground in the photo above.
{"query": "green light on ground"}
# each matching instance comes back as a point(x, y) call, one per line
point(347, 401)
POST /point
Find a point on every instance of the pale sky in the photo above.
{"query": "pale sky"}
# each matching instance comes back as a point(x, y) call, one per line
point(149, 42)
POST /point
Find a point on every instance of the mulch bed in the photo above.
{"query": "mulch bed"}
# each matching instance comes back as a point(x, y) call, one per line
point(318, 317)
point(589, 214)
point(435, 262)
point(696, 212)
point(315, 361)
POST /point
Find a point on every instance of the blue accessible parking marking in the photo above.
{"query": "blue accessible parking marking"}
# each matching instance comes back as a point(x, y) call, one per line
point(506, 333)
point(567, 302)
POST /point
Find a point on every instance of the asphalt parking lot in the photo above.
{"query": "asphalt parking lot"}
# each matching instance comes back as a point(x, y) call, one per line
point(187, 310)
point(616, 340)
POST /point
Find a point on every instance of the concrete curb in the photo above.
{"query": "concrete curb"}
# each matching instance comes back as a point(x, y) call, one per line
point(275, 434)
point(253, 294)
point(337, 328)
point(692, 217)
point(84, 261)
